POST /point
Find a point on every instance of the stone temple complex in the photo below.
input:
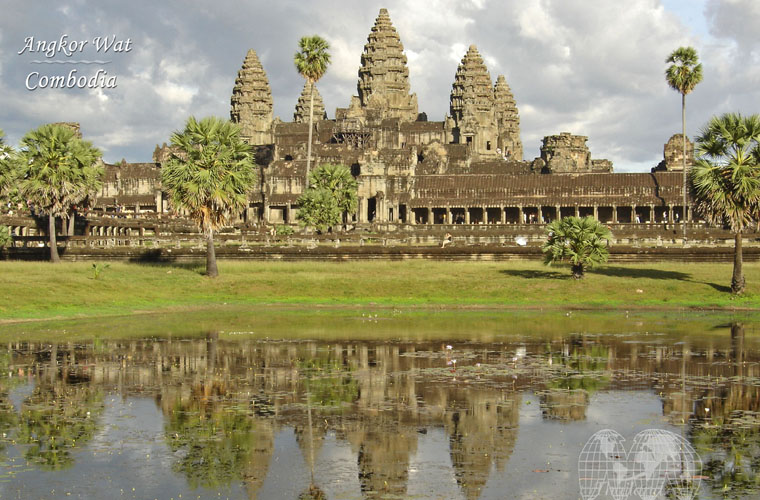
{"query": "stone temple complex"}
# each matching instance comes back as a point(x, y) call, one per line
point(467, 169)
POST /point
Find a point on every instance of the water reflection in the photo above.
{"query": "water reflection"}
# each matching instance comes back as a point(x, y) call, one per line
point(371, 419)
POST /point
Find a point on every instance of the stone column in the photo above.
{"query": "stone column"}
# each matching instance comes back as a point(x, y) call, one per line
point(362, 211)
point(670, 214)
point(577, 212)
point(466, 215)
point(558, 213)
point(503, 214)
point(159, 201)
point(448, 215)
point(411, 215)
point(520, 219)
point(288, 214)
point(652, 217)
point(633, 214)
point(614, 214)
point(430, 215)
point(596, 212)
point(485, 215)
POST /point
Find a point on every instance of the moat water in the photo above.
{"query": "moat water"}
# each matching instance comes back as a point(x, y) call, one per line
point(370, 403)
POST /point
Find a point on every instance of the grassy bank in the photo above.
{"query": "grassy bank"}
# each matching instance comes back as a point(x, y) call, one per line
point(42, 290)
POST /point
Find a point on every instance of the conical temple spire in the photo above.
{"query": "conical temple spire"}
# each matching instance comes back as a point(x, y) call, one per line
point(384, 75)
point(471, 91)
point(251, 102)
point(301, 114)
point(507, 119)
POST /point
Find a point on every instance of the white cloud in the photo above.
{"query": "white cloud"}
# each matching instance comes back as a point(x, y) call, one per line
point(592, 66)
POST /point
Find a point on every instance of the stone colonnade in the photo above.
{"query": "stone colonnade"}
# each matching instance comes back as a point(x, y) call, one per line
point(535, 214)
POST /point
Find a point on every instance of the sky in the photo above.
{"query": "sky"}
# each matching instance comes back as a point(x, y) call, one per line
point(589, 67)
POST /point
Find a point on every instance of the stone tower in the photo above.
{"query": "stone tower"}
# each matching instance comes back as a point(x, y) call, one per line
point(384, 76)
point(507, 120)
point(673, 154)
point(472, 105)
point(251, 102)
point(301, 114)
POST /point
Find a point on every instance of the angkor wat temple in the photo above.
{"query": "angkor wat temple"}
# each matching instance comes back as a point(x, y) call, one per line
point(467, 169)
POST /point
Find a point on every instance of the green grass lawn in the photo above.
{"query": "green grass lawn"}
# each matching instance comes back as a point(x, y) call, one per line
point(42, 290)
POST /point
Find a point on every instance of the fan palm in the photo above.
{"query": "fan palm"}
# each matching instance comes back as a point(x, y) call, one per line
point(208, 176)
point(7, 166)
point(582, 241)
point(337, 179)
point(683, 74)
point(331, 197)
point(311, 62)
point(727, 178)
point(57, 170)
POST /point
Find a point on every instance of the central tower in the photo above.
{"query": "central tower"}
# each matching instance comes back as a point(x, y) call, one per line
point(384, 76)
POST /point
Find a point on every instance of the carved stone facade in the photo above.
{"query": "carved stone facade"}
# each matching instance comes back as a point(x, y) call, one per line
point(673, 155)
point(383, 77)
point(301, 114)
point(472, 105)
point(466, 169)
point(251, 102)
point(568, 154)
point(507, 120)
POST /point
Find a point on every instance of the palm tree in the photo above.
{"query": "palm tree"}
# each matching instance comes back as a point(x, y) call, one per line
point(208, 175)
point(584, 242)
point(57, 170)
point(726, 178)
point(311, 62)
point(683, 74)
point(337, 179)
point(7, 169)
point(330, 199)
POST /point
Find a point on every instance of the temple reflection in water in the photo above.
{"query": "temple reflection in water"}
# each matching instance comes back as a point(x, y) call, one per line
point(225, 403)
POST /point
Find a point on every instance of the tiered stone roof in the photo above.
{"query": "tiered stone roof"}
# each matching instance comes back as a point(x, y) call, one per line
point(301, 114)
point(507, 118)
point(471, 92)
point(384, 75)
point(251, 102)
point(656, 189)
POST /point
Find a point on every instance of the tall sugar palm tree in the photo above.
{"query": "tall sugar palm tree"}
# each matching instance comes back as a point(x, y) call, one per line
point(683, 74)
point(582, 241)
point(57, 170)
point(208, 176)
point(311, 62)
point(727, 178)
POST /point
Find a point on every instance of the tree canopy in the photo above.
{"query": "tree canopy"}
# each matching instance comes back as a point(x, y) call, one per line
point(7, 168)
point(208, 176)
point(331, 197)
point(726, 178)
point(57, 170)
point(312, 58)
point(582, 241)
point(685, 70)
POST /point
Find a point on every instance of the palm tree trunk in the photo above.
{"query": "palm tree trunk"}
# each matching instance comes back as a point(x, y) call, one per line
point(683, 137)
point(737, 280)
point(211, 270)
point(53, 243)
point(308, 147)
point(577, 270)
